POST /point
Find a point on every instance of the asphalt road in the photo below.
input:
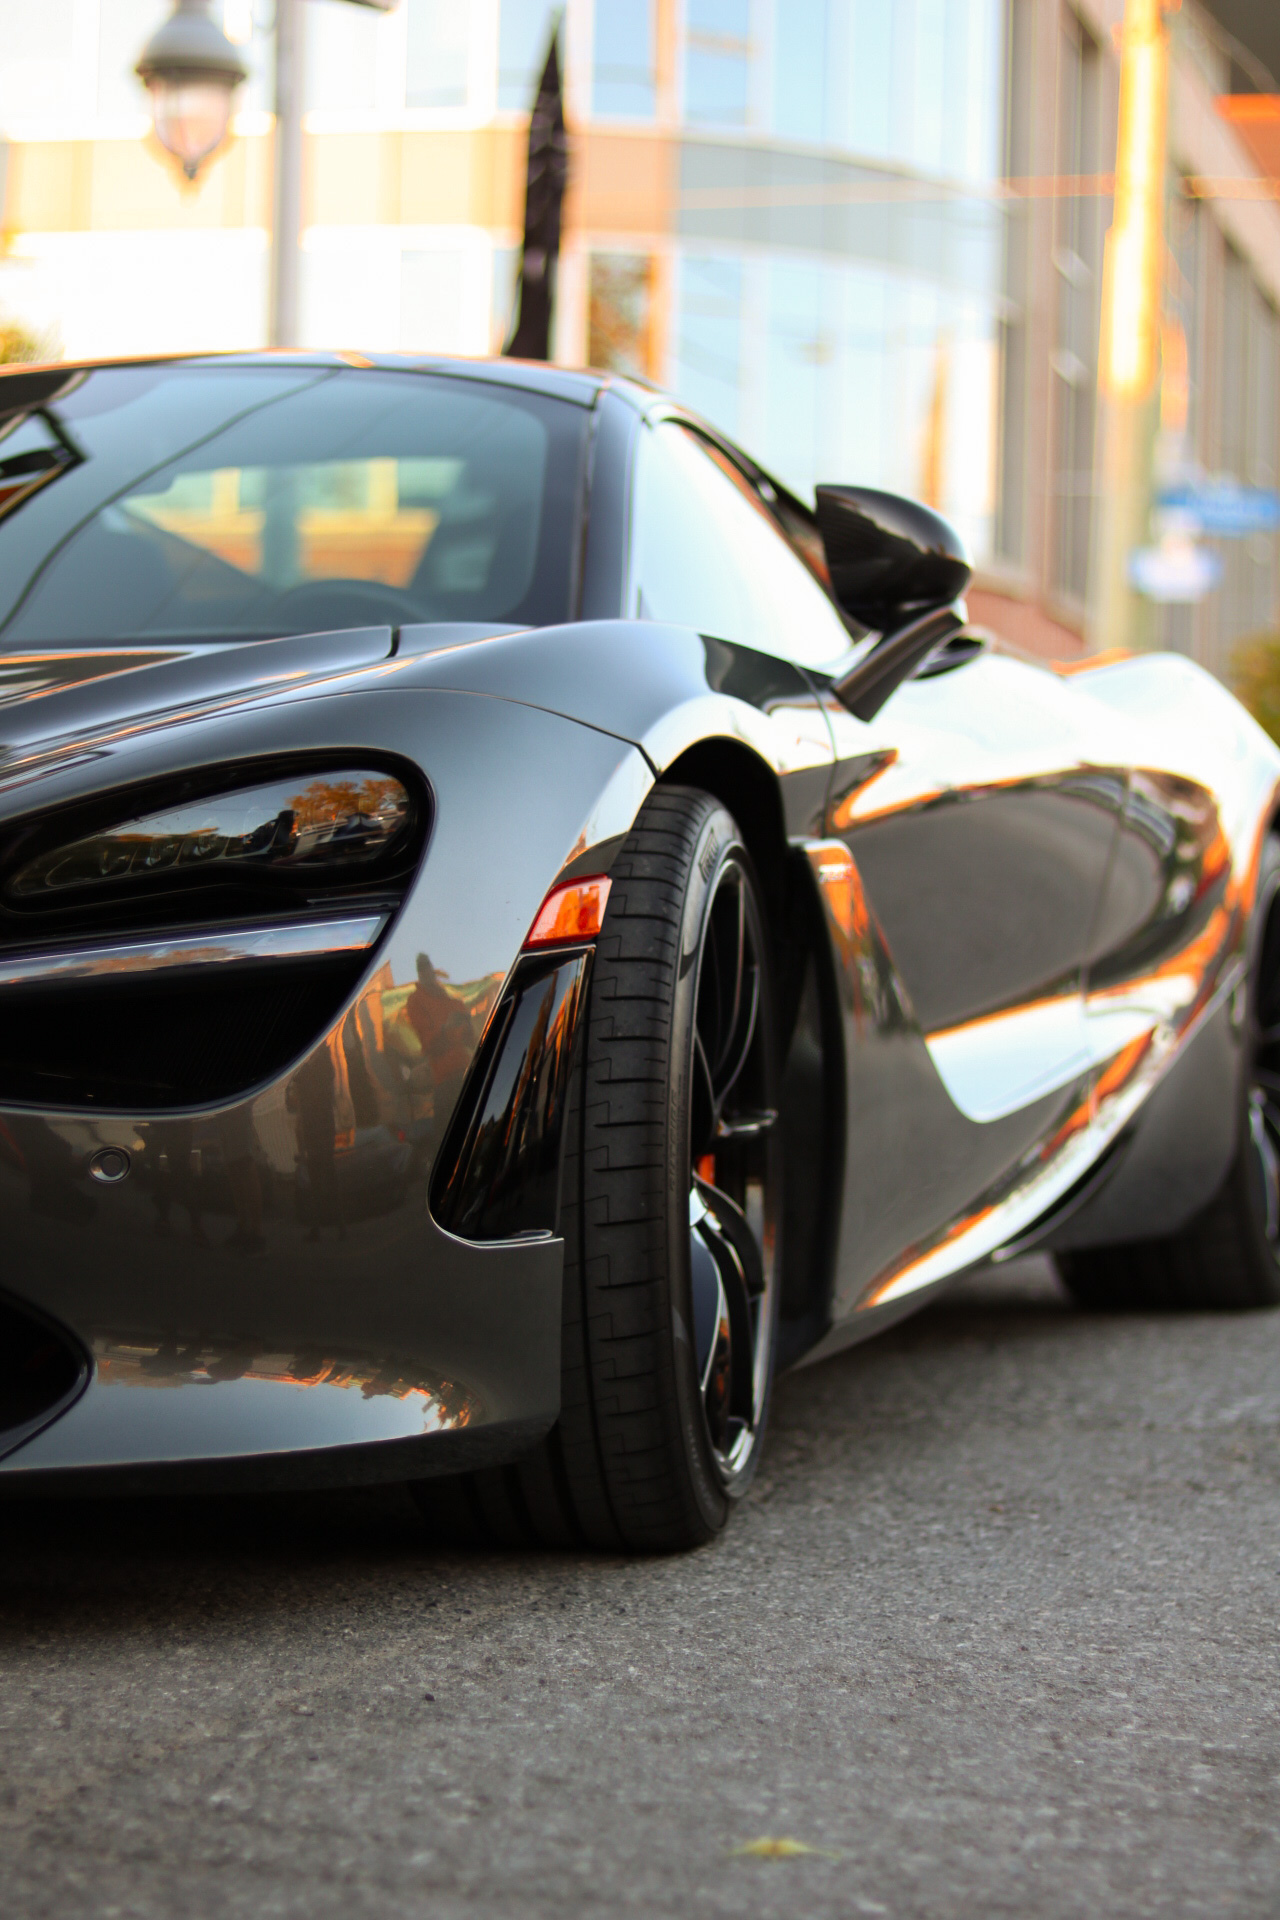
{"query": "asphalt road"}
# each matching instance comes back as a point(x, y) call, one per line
point(996, 1634)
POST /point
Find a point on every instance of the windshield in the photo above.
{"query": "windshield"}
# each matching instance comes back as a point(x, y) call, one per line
point(214, 503)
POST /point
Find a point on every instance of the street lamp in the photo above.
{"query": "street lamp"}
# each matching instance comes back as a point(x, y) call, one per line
point(191, 70)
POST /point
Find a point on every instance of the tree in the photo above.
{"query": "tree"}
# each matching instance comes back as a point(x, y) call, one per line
point(1256, 677)
point(20, 343)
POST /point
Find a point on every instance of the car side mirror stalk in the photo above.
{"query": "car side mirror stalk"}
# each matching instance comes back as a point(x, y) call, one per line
point(879, 673)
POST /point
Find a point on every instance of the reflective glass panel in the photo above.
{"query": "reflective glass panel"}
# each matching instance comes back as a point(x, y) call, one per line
point(707, 555)
point(305, 501)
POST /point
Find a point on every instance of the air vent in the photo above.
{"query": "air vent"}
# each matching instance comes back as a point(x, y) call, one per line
point(41, 1372)
point(155, 1044)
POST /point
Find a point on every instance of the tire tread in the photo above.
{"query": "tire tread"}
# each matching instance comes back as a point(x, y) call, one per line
point(604, 1477)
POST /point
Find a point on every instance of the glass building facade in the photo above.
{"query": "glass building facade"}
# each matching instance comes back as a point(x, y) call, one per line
point(805, 217)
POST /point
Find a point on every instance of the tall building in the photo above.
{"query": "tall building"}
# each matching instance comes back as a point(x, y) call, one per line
point(864, 236)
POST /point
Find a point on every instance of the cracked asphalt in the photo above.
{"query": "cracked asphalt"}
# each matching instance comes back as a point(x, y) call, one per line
point(995, 1634)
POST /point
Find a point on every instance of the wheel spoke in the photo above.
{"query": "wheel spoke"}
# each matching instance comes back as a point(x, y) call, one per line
point(739, 960)
point(1269, 1167)
point(736, 1323)
point(728, 1079)
point(704, 1084)
point(731, 1209)
point(729, 1222)
point(747, 1126)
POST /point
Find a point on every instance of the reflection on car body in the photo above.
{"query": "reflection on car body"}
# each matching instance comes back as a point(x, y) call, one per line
point(886, 951)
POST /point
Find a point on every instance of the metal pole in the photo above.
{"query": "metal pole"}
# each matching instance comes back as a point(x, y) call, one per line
point(287, 228)
point(1129, 343)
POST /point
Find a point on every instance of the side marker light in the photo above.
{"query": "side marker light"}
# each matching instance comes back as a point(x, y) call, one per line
point(572, 912)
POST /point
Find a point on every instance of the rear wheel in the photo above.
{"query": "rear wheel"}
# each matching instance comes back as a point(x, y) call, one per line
point(671, 1211)
point(1228, 1255)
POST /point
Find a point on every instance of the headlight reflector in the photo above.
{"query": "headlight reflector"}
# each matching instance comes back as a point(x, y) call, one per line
point(335, 823)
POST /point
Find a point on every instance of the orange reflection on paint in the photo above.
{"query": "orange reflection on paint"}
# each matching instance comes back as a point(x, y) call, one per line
point(841, 889)
point(846, 903)
point(844, 811)
point(898, 1278)
point(1117, 1074)
point(1109, 658)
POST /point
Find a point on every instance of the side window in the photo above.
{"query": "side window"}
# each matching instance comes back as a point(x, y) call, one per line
point(705, 554)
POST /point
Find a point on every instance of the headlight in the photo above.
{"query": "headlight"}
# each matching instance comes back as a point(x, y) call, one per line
point(173, 945)
point(336, 824)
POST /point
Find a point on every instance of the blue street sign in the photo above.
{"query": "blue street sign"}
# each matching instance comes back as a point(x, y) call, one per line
point(1224, 507)
point(1176, 573)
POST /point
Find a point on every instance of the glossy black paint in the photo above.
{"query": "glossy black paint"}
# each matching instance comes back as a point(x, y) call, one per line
point(1174, 1163)
point(42, 1373)
point(604, 559)
point(499, 1175)
point(294, 1222)
point(986, 888)
point(889, 558)
point(898, 657)
point(298, 1277)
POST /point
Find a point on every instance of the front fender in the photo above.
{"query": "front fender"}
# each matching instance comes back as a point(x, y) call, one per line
point(666, 689)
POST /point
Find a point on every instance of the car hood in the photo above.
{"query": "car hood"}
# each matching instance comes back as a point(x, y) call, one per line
point(48, 694)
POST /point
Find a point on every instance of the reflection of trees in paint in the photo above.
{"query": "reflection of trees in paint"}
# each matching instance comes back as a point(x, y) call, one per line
point(339, 802)
point(169, 1363)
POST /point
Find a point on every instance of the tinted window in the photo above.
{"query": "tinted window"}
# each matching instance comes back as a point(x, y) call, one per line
point(706, 554)
point(202, 502)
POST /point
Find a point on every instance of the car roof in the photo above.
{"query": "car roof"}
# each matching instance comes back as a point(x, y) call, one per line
point(533, 376)
point(580, 386)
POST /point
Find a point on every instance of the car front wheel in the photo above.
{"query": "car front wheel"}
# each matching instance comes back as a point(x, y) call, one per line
point(671, 1213)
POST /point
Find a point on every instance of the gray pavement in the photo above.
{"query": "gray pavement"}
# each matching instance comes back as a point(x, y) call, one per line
point(996, 1634)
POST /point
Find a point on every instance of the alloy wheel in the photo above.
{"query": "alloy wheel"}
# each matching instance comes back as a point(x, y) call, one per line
point(733, 1192)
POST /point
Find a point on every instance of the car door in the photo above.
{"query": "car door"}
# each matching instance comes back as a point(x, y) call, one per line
point(980, 808)
point(960, 858)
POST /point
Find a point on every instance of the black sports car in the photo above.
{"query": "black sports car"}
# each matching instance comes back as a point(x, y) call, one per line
point(513, 928)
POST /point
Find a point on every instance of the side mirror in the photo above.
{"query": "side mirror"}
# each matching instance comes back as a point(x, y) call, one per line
point(890, 559)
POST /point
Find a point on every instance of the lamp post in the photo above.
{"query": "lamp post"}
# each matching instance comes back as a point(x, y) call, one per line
point(191, 70)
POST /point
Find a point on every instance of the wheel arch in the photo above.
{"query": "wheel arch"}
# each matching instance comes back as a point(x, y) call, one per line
point(809, 1027)
point(748, 787)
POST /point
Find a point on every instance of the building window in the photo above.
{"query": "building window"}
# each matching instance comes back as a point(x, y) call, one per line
point(439, 39)
point(800, 56)
point(623, 79)
point(717, 66)
point(1247, 450)
point(620, 314)
point(524, 34)
point(1077, 258)
point(433, 302)
point(707, 353)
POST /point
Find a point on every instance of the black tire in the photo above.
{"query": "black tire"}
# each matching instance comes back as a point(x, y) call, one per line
point(671, 1213)
point(1228, 1255)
